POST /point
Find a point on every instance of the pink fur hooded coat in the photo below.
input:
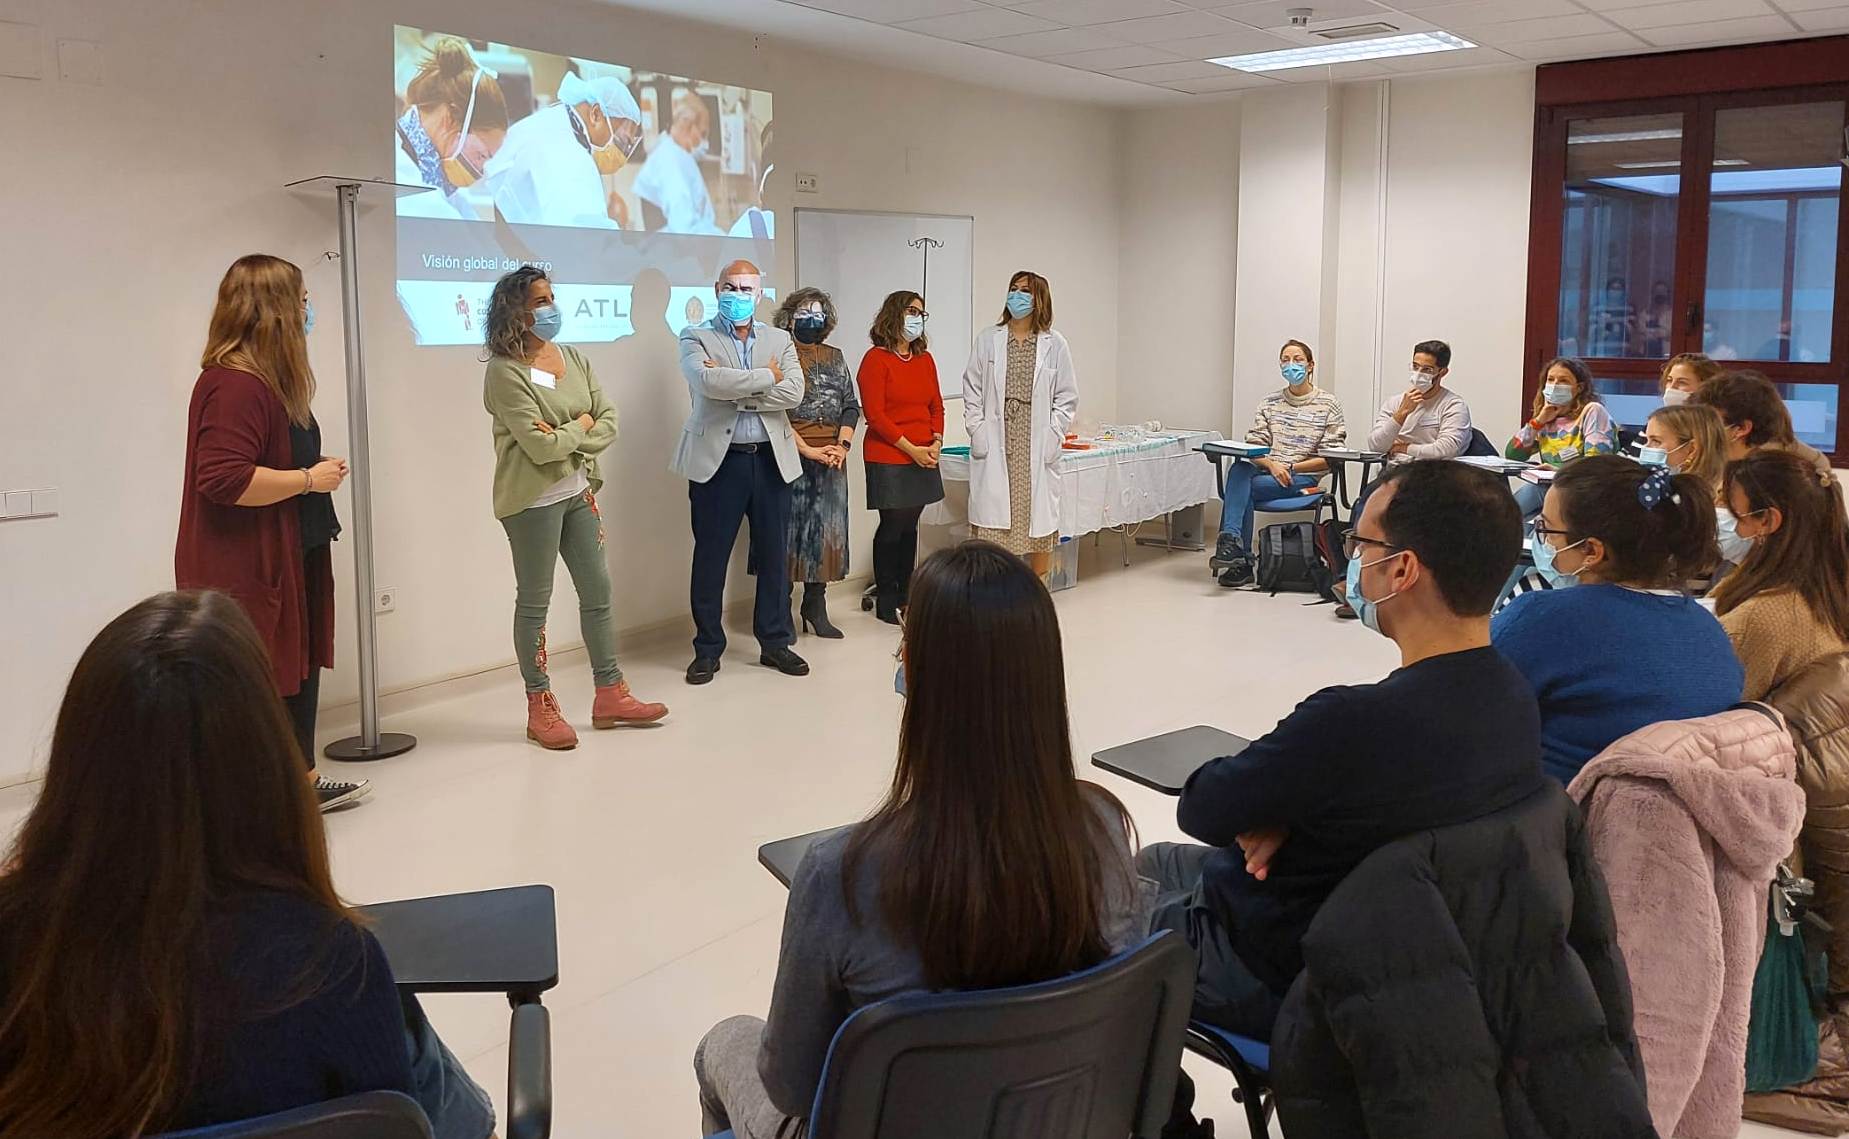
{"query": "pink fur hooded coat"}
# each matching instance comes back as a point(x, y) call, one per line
point(1689, 820)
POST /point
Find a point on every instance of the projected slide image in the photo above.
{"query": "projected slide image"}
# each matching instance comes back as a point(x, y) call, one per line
point(596, 170)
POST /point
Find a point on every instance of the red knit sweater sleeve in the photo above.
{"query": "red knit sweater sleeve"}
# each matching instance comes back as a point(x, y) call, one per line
point(875, 373)
point(233, 427)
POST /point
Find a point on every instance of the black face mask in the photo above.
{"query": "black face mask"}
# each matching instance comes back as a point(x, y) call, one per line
point(809, 332)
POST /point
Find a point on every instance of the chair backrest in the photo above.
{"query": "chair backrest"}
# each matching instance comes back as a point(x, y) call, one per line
point(1480, 444)
point(369, 1115)
point(1090, 1056)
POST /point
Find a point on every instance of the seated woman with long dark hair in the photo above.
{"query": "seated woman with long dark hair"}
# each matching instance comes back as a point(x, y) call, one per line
point(172, 952)
point(987, 865)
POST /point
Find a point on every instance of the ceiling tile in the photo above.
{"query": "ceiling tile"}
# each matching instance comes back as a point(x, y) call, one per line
point(1172, 72)
point(1472, 13)
point(890, 11)
point(1445, 60)
point(1233, 82)
point(1156, 29)
point(1114, 58)
point(1687, 12)
point(986, 24)
point(1274, 13)
point(1081, 12)
point(1823, 20)
point(1238, 42)
point(1039, 45)
point(1809, 5)
point(1721, 32)
point(1547, 28)
point(1579, 47)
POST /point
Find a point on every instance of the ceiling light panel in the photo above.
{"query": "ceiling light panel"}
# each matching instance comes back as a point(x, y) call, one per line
point(1385, 47)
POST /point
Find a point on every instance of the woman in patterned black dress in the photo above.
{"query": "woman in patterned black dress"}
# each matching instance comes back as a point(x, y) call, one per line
point(824, 424)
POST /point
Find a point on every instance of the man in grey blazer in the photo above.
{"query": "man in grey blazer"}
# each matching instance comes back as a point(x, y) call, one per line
point(739, 457)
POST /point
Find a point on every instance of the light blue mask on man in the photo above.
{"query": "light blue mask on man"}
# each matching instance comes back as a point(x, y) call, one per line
point(1368, 611)
point(737, 307)
point(1020, 303)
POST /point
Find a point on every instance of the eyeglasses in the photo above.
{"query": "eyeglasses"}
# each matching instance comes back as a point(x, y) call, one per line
point(911, 310)
point(1543, 531)
point(1352, 543)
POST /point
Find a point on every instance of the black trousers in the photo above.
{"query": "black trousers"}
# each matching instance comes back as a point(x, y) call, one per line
point(895, 551)
point(302, 707)
point(747, 486)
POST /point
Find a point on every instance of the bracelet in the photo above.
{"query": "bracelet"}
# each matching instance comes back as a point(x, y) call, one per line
point(308, 481)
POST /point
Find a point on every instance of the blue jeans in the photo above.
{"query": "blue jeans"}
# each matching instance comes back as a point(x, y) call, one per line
point(1529, 497)
point(1248, 484)
point(456, 1105)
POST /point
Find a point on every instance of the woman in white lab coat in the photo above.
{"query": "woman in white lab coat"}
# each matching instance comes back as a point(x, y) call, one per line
point(550, 171)
point(1019, 396)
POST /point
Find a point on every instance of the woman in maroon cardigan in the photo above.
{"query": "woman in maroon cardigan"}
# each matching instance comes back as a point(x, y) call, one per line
point(256, 517)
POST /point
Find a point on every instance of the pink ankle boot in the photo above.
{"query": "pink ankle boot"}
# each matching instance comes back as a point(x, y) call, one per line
point(615, 704)
point(545, 725)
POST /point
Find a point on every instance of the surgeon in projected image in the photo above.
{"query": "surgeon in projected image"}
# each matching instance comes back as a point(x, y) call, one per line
point(455, 120)
point(671, 186)
point(550, 172)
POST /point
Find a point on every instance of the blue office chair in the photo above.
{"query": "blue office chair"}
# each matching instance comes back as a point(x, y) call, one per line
point(369, 1115)
point(1248, 1060)
point(1090, 1056)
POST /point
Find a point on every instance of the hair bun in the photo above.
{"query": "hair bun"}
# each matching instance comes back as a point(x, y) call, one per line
point(452, 57)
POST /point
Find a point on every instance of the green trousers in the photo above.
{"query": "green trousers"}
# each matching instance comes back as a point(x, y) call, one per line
point(573, 530)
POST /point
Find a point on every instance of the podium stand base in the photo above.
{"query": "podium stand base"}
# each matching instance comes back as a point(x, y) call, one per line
point(353, 749)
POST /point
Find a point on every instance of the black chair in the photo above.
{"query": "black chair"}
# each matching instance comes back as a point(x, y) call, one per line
point(1090, 1056)
point(1248, 1060)
point(370, 1115)
point(1480, 445)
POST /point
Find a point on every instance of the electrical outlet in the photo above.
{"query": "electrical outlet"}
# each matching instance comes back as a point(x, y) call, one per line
point(384, 600)
point(808, 184)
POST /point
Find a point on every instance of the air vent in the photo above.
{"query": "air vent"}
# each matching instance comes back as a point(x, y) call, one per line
point(1355, 32)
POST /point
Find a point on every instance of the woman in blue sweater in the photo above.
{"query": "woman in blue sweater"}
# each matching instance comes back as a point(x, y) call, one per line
point(1628, 647)
point(172, 952)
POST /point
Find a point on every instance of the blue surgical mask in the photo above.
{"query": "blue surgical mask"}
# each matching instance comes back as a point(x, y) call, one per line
point(737, 307)
point(1020, 303)
point(1544, 555)
point(1295, 372)
point(1653, 456)
point(547, 320)
point(1557, 395)
point(1368, 611)
point(914, 327)
point(308, 318)
point(898, 679)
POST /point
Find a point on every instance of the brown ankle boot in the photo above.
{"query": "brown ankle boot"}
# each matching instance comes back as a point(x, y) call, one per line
point(545, 725)
point(615, 704)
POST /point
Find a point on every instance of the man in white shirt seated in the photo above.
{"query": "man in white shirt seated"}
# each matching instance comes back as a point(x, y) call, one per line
point(1428, 421)
point(671, 185)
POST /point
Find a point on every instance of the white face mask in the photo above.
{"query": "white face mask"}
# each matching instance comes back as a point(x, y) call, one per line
point(914, 327)
point(1557, 395)
point(1674, 397)
point(1422, 382)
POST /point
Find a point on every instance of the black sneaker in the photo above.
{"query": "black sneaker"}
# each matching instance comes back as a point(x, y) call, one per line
point(332, 794)
point(1237, 573)
point(1227, 551)
point(784, 661)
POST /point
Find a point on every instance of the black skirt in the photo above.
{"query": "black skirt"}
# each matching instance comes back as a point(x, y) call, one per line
point(907, 486)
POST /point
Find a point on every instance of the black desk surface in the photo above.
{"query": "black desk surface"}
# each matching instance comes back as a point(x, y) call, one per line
point(489, 941)
point(1164, 762)
point(783, 856)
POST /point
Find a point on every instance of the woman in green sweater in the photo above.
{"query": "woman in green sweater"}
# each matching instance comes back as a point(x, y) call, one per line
point(551, 421)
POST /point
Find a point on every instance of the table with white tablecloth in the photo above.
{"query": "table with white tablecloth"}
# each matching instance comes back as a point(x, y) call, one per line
point(1115, 483)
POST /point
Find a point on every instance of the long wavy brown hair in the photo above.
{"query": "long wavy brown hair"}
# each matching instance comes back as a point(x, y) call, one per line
point(173, 781)
point(888, 329)
point(993, 858)
point(504, 328)
point(1808, 553)
point(257, 328)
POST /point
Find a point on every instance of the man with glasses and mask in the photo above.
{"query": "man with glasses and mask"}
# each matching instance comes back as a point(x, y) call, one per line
point(738, 454)
point(1427, 420)
point(1451, 735)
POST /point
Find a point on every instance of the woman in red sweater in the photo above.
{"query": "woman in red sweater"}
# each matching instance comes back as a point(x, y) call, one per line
point(256, 513)
point(905, 434)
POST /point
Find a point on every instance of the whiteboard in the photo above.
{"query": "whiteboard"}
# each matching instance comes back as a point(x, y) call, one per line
point(858, 258)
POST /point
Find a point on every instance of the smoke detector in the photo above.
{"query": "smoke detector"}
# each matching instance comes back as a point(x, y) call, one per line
point(1299, 17)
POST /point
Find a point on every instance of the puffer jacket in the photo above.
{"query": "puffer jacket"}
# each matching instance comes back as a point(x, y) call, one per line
point(1465, 982)
point(1815, 703)
point(1689, 820)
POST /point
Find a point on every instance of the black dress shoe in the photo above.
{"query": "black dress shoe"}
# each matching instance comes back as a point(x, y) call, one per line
point(702, 669)
point(784, 661)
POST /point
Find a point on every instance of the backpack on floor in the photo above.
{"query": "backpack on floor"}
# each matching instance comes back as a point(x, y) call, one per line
point(1288, 560)
point(1329, 553)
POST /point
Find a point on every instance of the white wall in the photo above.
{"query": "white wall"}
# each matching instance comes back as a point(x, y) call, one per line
point(124, 202)
point(1361, 250)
